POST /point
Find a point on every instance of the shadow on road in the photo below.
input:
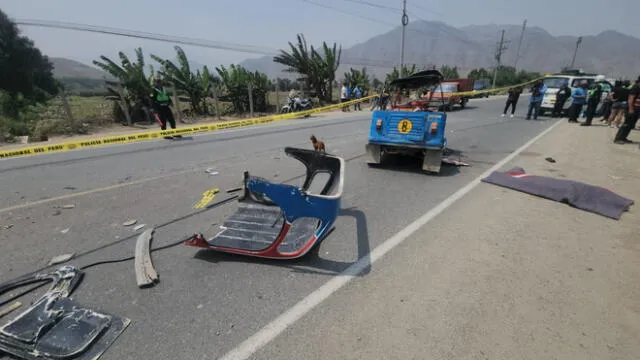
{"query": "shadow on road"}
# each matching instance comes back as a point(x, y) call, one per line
point(313, 262)
point(413, 165)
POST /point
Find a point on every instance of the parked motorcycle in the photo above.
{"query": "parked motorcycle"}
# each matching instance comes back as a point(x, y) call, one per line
point(296, 104)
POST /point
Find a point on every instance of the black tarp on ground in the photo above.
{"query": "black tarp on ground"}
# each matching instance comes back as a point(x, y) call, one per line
point(577, 194)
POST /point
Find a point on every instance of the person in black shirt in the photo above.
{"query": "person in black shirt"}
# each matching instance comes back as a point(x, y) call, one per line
point(631, 118)
point(595, 95)
point(512, 100)
point(619, 96)
point(561, 97)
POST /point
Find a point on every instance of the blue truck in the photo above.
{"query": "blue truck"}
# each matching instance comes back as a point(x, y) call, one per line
point(413, 128)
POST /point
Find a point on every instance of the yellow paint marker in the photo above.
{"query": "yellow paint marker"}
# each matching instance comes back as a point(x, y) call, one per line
point(207, 197)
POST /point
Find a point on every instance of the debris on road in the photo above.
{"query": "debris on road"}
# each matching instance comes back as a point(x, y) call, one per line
point(454, 162)
point(129, 222)
point(583, 196)
point(207, 197)
point(61, 259)
point(69, 188)
point(9, 309)
point(550, 159)
point(212, 171)
point(260, 219)
point(138, 227)
point(7, 227)
point(64, 231)
point(68, 206)
point(56, 327)
point(232, 190)
point(146, 275)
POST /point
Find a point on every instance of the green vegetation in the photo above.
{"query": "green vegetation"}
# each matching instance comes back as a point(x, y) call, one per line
point(26, 80)
point(506, 76)
point(316, 68)
point(39, 105)
point(358, 78)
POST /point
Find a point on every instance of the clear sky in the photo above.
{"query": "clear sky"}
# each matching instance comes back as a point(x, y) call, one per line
point(274, 23)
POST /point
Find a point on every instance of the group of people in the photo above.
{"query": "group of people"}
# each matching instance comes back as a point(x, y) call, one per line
point(622, 101)
point(347, 93)
point(535, 100)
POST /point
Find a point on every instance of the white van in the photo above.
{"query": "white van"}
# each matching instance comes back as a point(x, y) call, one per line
point(555, 81)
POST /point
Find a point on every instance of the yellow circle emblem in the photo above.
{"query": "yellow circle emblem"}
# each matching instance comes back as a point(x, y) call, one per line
point(404, 126)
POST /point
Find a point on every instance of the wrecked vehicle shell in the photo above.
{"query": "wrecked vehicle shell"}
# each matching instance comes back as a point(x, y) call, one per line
point(56, 327)
point(282, 221)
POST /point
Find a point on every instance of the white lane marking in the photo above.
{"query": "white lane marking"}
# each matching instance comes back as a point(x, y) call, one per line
point(269, 332)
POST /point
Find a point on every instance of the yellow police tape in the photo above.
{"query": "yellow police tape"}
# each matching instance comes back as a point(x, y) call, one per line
point(151, 135)
point(489, 91)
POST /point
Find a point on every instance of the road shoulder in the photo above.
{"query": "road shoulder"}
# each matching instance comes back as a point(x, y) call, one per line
point(500, 274)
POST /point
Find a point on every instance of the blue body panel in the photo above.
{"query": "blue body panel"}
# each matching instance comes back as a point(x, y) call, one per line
point(297, 204)
point(419, 134)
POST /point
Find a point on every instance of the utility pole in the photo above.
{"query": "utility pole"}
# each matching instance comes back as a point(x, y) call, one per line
point(524, 26)
point(502, 46)
point(405, 22)
point(575, 52)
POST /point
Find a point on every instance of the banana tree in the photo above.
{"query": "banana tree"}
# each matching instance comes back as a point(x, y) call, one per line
point(327, 63)
point(400, 73)
point(317, 68)
point(196, 86)
point(132, 88)
point(300, 60)
point(357, 77)
point(236, 81)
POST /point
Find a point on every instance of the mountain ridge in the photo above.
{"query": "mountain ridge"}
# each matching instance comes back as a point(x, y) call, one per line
point(609, 52)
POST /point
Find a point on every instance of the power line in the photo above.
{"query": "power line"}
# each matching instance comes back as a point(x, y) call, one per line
point(378, 6)
point(425, 9)
point(377, 21)
point(151, 36)
point(243, 48)
point(183, 40)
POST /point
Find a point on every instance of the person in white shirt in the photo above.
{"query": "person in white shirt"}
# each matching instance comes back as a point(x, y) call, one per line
point(344, 96)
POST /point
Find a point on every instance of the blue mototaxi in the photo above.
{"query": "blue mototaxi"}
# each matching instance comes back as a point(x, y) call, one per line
point(416, 128)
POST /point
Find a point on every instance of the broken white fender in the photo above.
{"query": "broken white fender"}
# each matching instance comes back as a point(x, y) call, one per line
point(146, 275)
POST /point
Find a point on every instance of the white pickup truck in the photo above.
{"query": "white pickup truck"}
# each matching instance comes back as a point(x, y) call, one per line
point(554, 82)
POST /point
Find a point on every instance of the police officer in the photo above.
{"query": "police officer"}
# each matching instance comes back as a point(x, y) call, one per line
point(595, 95)
point(561, 97)
point(161, 102)
point(632, 114)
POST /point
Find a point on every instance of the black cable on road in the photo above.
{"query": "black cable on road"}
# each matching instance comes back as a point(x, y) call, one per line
point(129, 258)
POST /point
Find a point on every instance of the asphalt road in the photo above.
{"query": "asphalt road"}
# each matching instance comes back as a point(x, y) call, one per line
point(207, 303)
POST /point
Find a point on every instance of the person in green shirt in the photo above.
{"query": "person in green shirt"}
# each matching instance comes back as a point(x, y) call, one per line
point(161, 103)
